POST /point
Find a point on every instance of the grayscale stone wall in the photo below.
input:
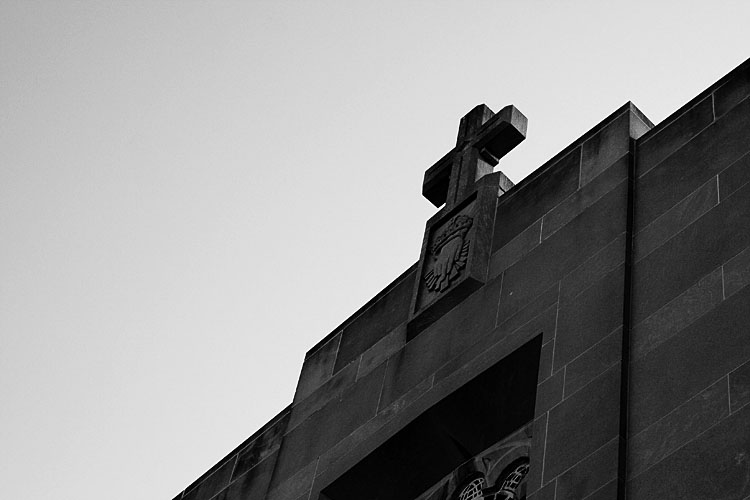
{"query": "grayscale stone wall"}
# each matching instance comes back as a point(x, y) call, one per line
point(626, 259)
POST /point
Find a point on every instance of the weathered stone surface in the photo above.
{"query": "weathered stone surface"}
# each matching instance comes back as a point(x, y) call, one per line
point(594, 314)
point(565, 250)
point(375, 321)
point(529, 201)
point(545, 360)
point(550, 392)
point(733, 92)
point(594, 268)
point(546, 493)
point(714, 465)
point(707, 154)
point(583, 198)
point(691, 254)
point(675, 315)
point(676, 218)
point(558, 280)
point(437, 344)
point(734, 176)
point(606, 492)
point(496, 345)
point(317, 368)
point(326, 427)
point(591, 473)
point(512, 251)
point(583, 423)
point(593, 362)
point(253, 484)
point(539, 304)
point(259, 448)
point(739, 387)
point(685, 364)
point(337, 454)
point(737, 272)
point(536, 454)
point(383, 349)
point(293, 488)
point(609, 143)
point(324, 394)
point(687, 421)
point(664, 140)
point(213, 484)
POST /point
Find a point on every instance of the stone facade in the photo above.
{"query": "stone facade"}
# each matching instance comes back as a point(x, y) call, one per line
point(604, 337)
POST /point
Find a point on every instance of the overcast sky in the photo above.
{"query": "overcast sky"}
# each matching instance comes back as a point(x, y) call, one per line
point(192, 194)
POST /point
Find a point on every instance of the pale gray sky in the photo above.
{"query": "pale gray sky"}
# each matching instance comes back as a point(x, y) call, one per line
point(192, 194)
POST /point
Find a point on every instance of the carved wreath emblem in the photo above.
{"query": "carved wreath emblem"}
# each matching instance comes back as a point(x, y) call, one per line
point(450, 250)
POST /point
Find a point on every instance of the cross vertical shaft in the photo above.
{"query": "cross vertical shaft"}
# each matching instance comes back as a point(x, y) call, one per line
point(483, 138)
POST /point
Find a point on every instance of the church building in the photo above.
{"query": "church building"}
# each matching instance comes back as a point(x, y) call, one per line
point(584, 334)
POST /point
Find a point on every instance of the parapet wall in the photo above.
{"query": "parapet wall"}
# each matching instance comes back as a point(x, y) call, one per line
point(626, 257)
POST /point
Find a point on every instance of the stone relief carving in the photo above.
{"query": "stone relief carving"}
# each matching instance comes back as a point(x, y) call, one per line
point(449, 250)
point(497, 473)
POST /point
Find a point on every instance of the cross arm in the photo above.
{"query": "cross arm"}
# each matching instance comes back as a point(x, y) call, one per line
point(437, 178)
point(500, 134)
point(491, 139)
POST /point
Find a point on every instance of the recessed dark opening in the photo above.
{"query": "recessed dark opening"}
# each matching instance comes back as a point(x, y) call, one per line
point(474, 417)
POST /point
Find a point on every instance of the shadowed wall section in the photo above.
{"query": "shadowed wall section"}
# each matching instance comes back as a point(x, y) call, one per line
point(609, 320)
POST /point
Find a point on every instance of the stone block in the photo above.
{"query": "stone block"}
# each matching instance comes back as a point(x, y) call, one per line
point(295, 487)
point(677, 314)
point(253, 483)
point(591, 473)
point(492, 347)
point(593, 362)
point(375, 321)
point(589, 194)
point(734, 176)
point(546, 493)
point(583, 423)
point(565, 250)
point(737, 272)
point(382, 350)
point(739, 387)
point(502, 341)
point(317, 368)
point(682, 425)
point(685, 364)
point(326, 427)
point(530, 200)
point(536, 453)
point(259, 448)
point(332, 459)
point(691, 254)
point(545, 360)
point(732, 92)
point(549, 392)
point(677, 218)
point(666, 139)
point(607, 492)
point(456, 331)
point(594, 268)
point(212, 484)
point(531, 310)
point(608, 145)
point(592, 315)
point(714, 465)
point(329, 391)
point(707, 154)
point(516, 248)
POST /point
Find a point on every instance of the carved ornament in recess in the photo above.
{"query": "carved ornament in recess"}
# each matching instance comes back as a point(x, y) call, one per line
point(450, 251)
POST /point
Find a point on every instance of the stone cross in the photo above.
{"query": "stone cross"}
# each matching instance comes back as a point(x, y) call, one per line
point(483, 138)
